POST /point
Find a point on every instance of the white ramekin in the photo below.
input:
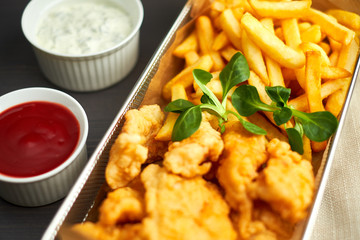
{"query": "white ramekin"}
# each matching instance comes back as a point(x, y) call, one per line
point(55, 184)
point(85, 72)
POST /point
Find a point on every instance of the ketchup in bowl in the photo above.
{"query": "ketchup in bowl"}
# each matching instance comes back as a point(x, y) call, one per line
point(36, 137)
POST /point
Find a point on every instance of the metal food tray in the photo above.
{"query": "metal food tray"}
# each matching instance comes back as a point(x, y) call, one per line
point(81, 200)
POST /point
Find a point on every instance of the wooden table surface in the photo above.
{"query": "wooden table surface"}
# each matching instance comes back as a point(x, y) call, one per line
point(19, 69)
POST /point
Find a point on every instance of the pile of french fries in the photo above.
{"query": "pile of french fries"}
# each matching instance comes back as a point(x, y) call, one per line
point(286, 43)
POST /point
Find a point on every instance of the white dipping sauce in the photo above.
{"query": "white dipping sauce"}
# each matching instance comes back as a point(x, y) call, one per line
point(83, 27)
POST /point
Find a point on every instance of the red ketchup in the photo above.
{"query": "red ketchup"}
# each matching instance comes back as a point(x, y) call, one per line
point(36, 137)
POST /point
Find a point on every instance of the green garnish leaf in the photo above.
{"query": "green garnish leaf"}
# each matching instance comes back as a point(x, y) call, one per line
point(246, 101)
point(298, 126)
point(282, 116)
point(206, 100)
point(235, 72)
point(178, 106)
point(253, 128)
point(295, 140)
point(202, 77)
point(279, 94)
point(318, 126)
point(187, 123)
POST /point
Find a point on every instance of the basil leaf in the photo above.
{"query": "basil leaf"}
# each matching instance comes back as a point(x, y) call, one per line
point(318, 126)
point(295, 140)
point(279, 94)
point(298, 126)
point(235, 72)
point(246, 101)
point(282, 116)
point(178, 106)
point(202, 77)
point(187, 123)
point(253, 128)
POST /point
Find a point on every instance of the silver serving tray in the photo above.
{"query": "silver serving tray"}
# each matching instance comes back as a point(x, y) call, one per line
point(81, 202)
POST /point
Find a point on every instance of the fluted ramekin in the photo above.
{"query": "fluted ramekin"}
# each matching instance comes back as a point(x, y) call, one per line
point(55, 184)
point(88, 72)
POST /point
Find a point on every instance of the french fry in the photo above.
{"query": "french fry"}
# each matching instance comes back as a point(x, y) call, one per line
point(335, 46)
point(256, 81)
point(348, 56)
point(300, 77)
point(270, 44)
point(303, 26)
point(309, 46)
point(191, 57)
point(313, 89)
point(313, 81)
point(254, 58)
point(231, 27)
point(220, 41)
point(189, 44)
point(279, 33)
point(217, 60)
point(164, 134)
point(312, 34)
point(218, 6)
point(334, 57)
point(205, 34)
point(329, 72)
point(347, 60)
point(293, 39)
point(185, 77)
point(326, 47)
point(333, 29)
point(288, 75)
point(307, 149)
point(238, 12)
point(274, 70)
point(318, 146)
point(291, 32)
point(301, 103)
point(348, 19)
point(280, 9)
point(228, 52)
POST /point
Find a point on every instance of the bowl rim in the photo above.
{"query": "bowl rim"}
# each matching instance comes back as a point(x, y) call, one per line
point(79, 147)
point(121, 44)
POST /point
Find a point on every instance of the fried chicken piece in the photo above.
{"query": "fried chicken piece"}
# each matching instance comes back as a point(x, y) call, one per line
point(273, 222)
point(243, 154)
point(96, 231)
point(287, 182)
point(121, 206)
point(134, 145)
point(256, 229)
point(189, 157)
point(183, 209)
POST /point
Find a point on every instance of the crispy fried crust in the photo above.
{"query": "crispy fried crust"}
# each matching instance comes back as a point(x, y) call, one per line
point(131, 148)
point(179, 208)
point(193, 156)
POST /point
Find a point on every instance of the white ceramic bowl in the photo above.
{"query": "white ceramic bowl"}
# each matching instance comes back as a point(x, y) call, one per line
point(54, 184)
point(88, 72)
